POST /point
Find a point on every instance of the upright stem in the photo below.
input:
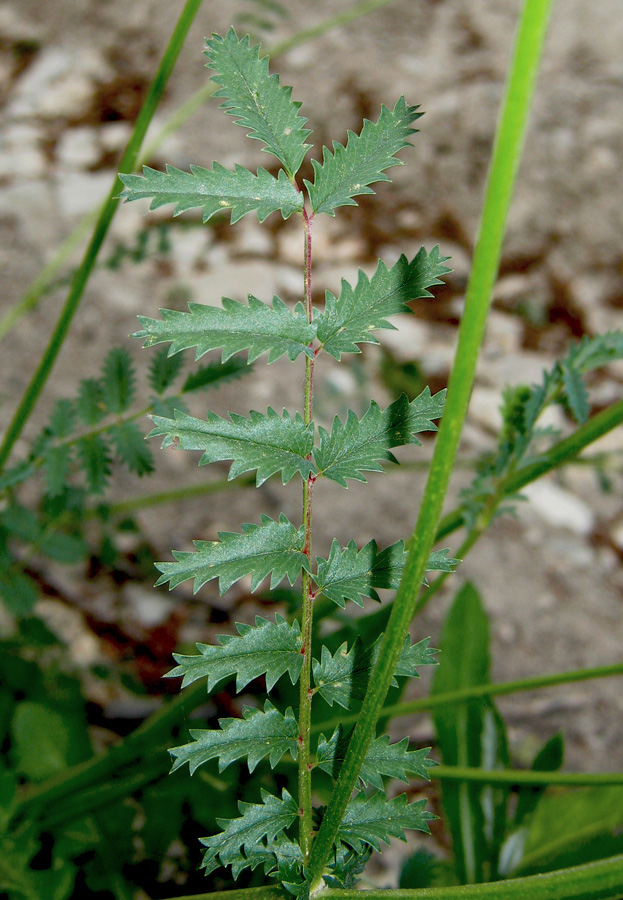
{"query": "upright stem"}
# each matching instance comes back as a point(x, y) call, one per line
point(506, 154)
point(305, 806)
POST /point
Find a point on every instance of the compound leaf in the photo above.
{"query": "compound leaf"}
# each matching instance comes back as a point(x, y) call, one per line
point(90, 404)
point(269, 648)
point(63, 418)
point(256, 735)
point(215, 373)
point(163, 370)
point(118, 380)
point(56, 463)
point(131, 448)
point(258, 328)
point(368, 821)
point(576, 393)
point(269, 443)
point(360, 444)
point(215, 190)
point(349, 574)
point(94, 456)
point(349, 319)
point(272, 548)
point(344, 676)
point(594, 352)
point(347, 171)
point(256, 98)
point(382, 758)
point(235, 844)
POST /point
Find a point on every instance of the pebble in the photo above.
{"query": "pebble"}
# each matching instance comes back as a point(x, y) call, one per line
point(78, 148)
point(253, 239)
point(58, 84)
point(148, 607)
point(78, 192)
point(484, 408)
point(289, 282)
point(558, 507)
point(21, 155)
point(114, 136)
point(503, 334)
point(616, 534)
point(189, 246)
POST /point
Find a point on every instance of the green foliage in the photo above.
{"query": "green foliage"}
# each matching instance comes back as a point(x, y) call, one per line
point(359, 445)
point(370, 820)
point(521, 439)
point(258, 328)
point(382, 759)
point(348, 171)
point(74, 454)
point(256, 735)
point(349, 319)
point(259, 824)
point(343, 677)
point(215, 190)
point(272, 548)
point(257, 100)
point(270, 649)
point(271, 443)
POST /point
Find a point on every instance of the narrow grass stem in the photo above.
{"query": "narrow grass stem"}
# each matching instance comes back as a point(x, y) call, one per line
point(592, 881)
point(506, 154)
point(80, 280)
point(521, 776)
point(188, 492)
point(304, 768)
point(434, 701)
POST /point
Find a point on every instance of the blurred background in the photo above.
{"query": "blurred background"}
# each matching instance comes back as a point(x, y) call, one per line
point(88, 630)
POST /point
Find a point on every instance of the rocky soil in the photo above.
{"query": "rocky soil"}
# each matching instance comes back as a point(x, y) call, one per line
point(72, 78)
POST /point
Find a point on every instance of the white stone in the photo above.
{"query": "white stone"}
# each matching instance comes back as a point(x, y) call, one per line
point(290, 282)
point(617, 536)
point(503, 333)
point(78, 148)
point(484, 408)
point(78, 193)
point(189, 246)
point(150, 608)
point(14, 28)
point(115, 135)
point(521, 367)
point(252, 239)
point(21, 155)
point(59, 83)
point(558, 507)
point(33, 205)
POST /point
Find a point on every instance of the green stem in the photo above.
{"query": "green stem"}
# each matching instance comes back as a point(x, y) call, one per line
point(258, 893)
point(506, 154)
point(143, 501)
point(304, 768)
point(600, 880)
point(536, 682)
point(521, 776)
point(154, 95)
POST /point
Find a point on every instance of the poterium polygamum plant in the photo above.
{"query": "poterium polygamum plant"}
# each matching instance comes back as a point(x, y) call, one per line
point(277, 832)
